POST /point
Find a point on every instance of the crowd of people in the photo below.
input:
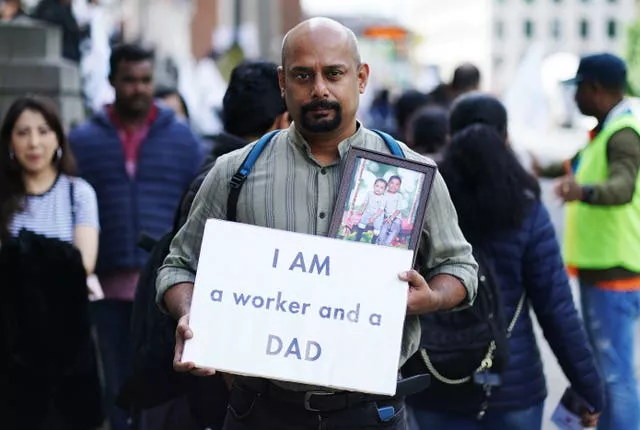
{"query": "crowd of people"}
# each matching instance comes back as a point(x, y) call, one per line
point(136, 169)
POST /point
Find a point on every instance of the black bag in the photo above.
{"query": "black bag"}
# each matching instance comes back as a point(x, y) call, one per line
point(467, 350)
point(153, 339)
point(154, 381)
point(48, 363)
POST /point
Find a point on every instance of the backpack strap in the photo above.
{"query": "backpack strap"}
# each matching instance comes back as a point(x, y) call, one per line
point(392, 144)
point(237, 180)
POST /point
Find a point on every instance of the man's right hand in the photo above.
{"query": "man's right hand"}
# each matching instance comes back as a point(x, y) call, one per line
point(183, 332)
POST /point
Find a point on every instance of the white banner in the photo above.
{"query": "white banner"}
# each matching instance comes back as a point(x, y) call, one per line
point(299, 308)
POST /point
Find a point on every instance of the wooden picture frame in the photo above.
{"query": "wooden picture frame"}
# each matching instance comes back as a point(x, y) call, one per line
point(382, 199)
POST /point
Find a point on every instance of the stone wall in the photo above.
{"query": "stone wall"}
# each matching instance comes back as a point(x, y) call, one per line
point(31, 62)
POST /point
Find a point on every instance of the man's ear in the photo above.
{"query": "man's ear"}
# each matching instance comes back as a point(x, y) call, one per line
point(281, 80)
point(363, 77)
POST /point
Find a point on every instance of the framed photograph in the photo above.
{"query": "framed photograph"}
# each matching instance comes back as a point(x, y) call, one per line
point(382, 199)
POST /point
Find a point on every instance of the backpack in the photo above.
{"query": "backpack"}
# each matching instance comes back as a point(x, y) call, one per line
point(466, 351)
point(153, 379)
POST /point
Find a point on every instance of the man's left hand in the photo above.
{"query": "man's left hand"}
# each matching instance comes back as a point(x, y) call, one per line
point(422, 299)
point(568, 189)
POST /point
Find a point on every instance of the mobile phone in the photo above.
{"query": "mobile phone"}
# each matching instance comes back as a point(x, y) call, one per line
point(568, 412)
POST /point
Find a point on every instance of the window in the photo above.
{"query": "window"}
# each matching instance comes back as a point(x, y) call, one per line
point(612, 29)
point(499, 29)
point(528, 28)
point(584, 29)
point(556, 29)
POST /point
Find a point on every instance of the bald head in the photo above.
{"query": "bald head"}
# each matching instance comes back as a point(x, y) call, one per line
point(322, 77)
point(319, 29)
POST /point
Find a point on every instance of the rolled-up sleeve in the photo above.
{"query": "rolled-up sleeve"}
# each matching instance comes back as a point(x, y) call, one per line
point(181, 263)
point(444, 250)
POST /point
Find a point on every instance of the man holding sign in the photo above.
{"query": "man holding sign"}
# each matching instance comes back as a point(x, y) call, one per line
point(293, 186)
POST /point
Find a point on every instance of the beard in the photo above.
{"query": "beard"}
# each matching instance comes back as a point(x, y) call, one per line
point(136, 106)
point(319, 123)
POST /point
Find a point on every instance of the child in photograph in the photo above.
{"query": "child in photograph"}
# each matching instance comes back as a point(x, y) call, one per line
point(394, 203)
point(372, 210)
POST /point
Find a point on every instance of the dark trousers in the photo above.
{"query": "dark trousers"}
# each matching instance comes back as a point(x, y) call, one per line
point(112, 319)
point(250, 409)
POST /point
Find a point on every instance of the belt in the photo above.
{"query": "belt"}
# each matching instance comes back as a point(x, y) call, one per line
point(326, 401)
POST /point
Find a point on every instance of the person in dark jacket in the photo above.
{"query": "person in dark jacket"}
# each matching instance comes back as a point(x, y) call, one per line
point(428, 131)
point(171, 98)
point(252, 106)
point(139, 158)
point(407, 104)
point(60, 13)
point(466, 78)
point(500, 212)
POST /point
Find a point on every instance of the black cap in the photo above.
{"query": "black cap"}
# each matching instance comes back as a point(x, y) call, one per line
point(605, 69)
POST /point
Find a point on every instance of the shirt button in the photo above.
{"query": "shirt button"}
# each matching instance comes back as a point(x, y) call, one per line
point(323, 171)
point(322, 215)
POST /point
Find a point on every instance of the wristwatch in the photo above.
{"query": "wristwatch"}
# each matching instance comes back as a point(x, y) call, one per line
point(587, 194)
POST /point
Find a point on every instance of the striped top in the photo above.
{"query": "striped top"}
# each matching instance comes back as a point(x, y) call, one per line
point(49, 214)
point(289, 190)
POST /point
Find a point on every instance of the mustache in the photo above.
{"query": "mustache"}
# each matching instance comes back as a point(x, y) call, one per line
point(321, 104)
point(139, 97)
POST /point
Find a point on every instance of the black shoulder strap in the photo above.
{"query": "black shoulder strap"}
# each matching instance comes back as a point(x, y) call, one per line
point(72, 201)
point(243, 171)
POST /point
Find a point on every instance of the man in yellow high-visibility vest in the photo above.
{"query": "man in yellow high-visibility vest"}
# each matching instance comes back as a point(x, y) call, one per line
point(601, 188)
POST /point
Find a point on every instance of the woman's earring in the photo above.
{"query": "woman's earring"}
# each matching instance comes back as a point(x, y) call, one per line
point(12, 155)
point(59, 153)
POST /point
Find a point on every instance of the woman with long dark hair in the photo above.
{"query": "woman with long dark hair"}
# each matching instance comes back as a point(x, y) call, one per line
point(500, 213)
point(49, 243)
point(37, 172)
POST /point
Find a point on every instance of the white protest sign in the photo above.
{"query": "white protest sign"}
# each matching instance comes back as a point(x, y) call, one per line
point(298, 308)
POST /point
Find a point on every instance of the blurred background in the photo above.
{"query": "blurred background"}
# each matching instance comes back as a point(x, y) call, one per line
point(523, 48)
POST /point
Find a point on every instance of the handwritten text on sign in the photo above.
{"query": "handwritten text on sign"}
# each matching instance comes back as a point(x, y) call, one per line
point(298, 308)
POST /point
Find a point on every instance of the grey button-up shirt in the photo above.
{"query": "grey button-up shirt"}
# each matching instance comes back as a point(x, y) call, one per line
point(289, 190)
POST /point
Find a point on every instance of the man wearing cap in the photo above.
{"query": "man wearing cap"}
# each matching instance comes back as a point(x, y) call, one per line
point(602, 230)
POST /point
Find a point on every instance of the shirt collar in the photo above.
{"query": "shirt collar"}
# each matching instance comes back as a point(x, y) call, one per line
point(300, 142)
point(622, 108)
